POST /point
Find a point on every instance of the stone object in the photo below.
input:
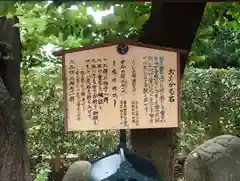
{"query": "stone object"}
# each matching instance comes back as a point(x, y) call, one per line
point(217, 159)
point(78, 171)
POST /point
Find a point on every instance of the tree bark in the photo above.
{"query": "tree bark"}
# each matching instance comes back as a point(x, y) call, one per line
point(14, 163)
point(170, 25)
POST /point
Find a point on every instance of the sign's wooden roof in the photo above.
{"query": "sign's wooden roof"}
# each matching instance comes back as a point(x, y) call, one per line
point(139, 44)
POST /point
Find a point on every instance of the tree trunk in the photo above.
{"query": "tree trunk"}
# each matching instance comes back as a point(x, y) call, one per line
point(170, 25)
point(14, 163)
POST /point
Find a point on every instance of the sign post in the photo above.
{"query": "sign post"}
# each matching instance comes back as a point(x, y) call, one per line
point(121, 86)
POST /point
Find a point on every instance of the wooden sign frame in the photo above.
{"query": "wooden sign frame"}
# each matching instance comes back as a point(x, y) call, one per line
point(104, 45)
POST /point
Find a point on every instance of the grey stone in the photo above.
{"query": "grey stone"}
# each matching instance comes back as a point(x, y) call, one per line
point(78, 171)
point(217, 159)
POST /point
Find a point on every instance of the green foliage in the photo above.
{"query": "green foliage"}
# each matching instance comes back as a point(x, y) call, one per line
point(60, 25)
point(214, 96)
point(43, 111)
point(217, 42)
point(223, 51)
point(66, 26)
point(214, 108)
point(42, 171)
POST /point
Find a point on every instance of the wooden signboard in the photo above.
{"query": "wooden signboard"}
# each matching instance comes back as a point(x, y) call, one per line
point(120, 86)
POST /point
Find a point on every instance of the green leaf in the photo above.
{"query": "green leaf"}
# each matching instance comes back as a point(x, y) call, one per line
point(86, 32)
point(233, 24)
point(3, 9)
point(70, 16)
point(141, 20)
point(110, 19)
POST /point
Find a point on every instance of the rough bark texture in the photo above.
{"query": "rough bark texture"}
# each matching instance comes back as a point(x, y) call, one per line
point(170, 25)
point(14, 163)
